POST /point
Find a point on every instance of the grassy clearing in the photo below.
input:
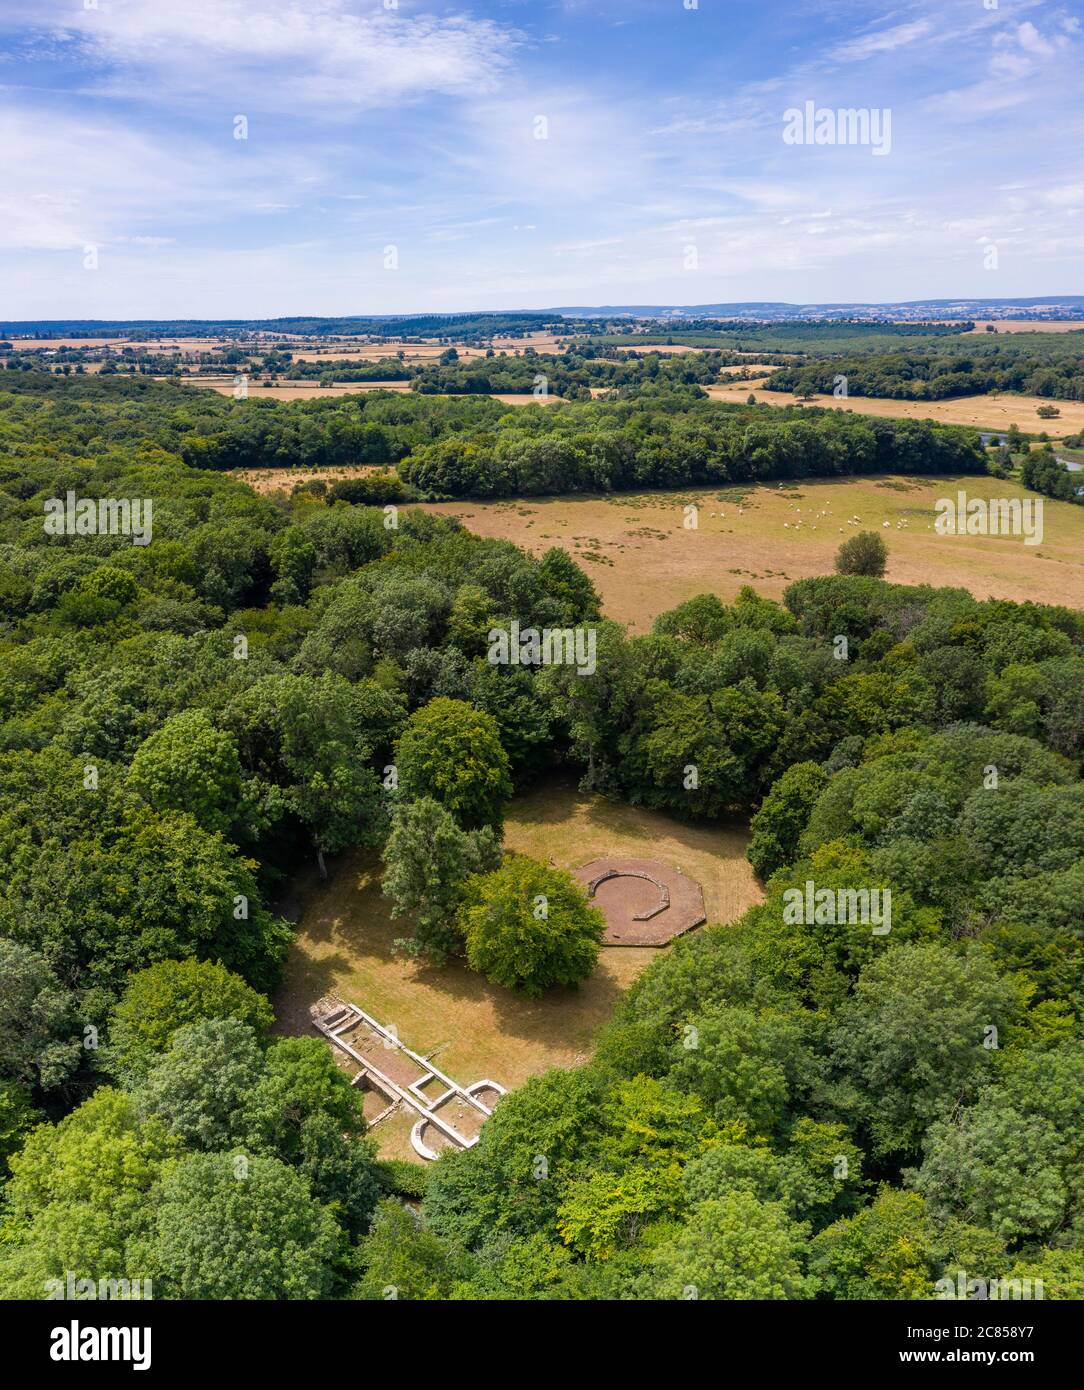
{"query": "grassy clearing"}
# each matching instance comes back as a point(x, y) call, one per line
point(644, 561)
point(472, 1028)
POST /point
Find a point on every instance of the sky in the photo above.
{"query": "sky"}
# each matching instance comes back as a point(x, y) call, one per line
point(257, 158)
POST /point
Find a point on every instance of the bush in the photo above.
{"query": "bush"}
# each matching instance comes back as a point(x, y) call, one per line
point(400, 1178)
point(865, 553)
point(372, 489)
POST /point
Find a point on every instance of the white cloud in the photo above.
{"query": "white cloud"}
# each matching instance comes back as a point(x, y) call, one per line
point(71, 180)
point(1022, 49)
point(882, 41)
point(590, 150)
point(282, 55)
point(1020, 53)
point(1068, 195)
point(1029, 37)
point(295, 218)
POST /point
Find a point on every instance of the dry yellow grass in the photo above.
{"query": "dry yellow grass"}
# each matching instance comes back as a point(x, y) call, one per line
point(413, 352)
point(296, 391)
point(518, 397)
point(151, 345)
point(472, 1028)
point(643, 561)
point(541, 342)
point(268, 480)
point(307, 390)
point(1028, 326)
point(342, 354)
point(993, 412)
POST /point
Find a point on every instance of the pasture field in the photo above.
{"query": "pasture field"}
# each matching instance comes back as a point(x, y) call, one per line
point(643, 561)
point(992, 412)
point(472, 1028)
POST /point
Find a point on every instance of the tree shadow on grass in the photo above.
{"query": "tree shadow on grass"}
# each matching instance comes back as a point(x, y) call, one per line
point(553, 1018)
point(552, 801)
point(349, 932)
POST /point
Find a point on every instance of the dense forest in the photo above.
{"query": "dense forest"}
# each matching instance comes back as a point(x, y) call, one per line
point(672, 439)
point(1035, 364)
point(387, 325)
point(777, 1110)
point(655, 436)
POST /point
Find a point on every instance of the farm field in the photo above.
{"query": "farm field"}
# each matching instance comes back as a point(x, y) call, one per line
point(643, 561)
point(308, 390)
point(298, 391)
point(472, 1028)
point(517, 397)
point(995, 412)
point(183, 344)
point(373, 352)
point(644, 344)
point(1029, 325)
point(541, 342)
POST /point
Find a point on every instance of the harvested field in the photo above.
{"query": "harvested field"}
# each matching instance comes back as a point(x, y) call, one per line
point(541, 342)
point(473, 1029)
point(155, 344)
point(412, 352)
point(992, 412)
point(1028, 325)
point(643, 344)
point(308, 390)
point(293, 391)
point(643, 561)
point(517, 397)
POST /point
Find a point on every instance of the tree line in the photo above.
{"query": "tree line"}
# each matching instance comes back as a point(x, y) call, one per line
point(1044, 364)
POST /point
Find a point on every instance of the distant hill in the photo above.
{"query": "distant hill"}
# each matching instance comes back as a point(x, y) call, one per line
point(1065, 306)
point(482, 324)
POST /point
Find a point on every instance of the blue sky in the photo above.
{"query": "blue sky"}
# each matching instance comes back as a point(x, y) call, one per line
point(414, 125)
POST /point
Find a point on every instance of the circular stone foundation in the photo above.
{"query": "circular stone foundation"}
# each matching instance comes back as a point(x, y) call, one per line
point(645, 902)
